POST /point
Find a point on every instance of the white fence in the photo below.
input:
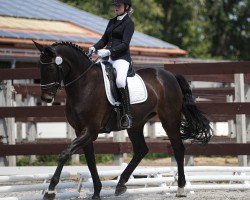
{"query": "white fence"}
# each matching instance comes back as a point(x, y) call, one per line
point(144, 180)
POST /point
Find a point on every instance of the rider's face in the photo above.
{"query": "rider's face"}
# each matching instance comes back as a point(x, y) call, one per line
point(119, 8)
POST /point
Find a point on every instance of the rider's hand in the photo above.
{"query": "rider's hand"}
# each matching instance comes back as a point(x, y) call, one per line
point(103, 53)
point(91, 50)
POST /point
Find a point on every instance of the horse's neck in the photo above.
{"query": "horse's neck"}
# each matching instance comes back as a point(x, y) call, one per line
point(86, 82)
point(78, 67)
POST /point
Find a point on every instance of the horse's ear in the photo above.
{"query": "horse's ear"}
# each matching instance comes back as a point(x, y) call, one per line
point(50, 50)
point(38, 46)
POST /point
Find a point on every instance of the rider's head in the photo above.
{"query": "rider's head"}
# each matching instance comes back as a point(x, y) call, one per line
point(122, 6)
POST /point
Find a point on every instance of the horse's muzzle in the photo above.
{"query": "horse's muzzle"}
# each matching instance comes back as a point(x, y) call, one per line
point(47, 97)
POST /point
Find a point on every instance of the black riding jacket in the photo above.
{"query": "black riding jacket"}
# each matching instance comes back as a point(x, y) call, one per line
point(117, 37)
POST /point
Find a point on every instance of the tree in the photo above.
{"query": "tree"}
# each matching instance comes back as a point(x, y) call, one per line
point(208, 28)
point(229, 28)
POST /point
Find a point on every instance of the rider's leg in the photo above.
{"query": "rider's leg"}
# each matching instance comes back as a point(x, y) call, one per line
point(122, 67)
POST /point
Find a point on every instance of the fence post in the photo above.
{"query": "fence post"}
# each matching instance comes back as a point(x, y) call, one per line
point(31, 127)
point(7, 125)
point(119, 136)
point(3, 131)
point(75, 158)
point(240, 119)
point(19, 127)
point(247, 91)
point(151, 126)
point(231, 124)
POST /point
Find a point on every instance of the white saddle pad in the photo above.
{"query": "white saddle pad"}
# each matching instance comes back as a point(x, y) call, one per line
point(137, 89)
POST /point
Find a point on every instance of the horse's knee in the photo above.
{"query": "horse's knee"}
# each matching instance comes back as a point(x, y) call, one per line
point(64, 156)
point(141, 152)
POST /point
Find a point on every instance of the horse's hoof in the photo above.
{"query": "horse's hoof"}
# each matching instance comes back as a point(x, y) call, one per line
point(181, 192)
point(49, 196)
point(96, 197)
point(120, 189)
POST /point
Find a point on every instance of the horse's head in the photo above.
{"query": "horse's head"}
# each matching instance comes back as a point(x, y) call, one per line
point(50, 70)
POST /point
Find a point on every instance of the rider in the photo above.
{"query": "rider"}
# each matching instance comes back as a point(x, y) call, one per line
point(114, 47)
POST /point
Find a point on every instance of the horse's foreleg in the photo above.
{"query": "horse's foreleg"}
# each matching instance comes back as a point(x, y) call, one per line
point(90, 158)
point(140, 150)
point(64, 156)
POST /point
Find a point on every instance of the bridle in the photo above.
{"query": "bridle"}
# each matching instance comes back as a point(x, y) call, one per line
point(59, 84)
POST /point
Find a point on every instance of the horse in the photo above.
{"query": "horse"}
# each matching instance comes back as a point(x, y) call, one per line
point(65, 64)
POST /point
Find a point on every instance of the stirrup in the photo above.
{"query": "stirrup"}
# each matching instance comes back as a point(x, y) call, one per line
point(126, 121)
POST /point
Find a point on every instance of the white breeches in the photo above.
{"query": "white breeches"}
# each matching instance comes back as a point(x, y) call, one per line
point(121, 67)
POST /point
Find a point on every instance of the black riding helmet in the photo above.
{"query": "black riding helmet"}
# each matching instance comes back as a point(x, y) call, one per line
point(128, 2)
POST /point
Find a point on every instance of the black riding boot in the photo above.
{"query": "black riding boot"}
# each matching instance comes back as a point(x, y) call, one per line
point(126, 119)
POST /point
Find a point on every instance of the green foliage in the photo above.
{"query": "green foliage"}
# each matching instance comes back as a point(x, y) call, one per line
point(44, 160)
point(51, 160)
point(216, 29)
point(229, 28)
point(147, 16)
point(23, 161)
point(154, 156)
point(100, 158)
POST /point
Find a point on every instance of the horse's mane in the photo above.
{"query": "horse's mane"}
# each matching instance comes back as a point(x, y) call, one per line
point(69, 44)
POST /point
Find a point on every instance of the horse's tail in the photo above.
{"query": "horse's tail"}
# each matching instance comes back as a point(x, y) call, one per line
point(195, 126)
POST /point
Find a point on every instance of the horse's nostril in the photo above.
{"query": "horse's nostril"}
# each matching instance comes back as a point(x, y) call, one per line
point(48, 98)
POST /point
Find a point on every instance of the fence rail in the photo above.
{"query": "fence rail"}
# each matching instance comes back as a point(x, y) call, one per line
point(126, 147)
point(58, 111)
point(209, 68)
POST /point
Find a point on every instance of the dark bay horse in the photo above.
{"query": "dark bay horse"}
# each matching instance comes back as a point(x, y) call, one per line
point(88, 110)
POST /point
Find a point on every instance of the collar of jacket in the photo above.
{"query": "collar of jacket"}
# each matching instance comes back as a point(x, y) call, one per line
point(119, 22)
point(120, 17)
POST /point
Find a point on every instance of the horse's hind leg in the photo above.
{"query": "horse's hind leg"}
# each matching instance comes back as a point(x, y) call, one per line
point(172, 127)
point(140, 150)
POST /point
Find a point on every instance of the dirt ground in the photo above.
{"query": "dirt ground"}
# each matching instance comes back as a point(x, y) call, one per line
point(198, 195)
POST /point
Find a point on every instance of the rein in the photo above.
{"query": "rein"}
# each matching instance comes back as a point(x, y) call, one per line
point(79, 77)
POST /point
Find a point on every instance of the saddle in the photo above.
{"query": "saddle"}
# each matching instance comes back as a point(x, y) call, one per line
point(137, 90)
point(111, 74)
